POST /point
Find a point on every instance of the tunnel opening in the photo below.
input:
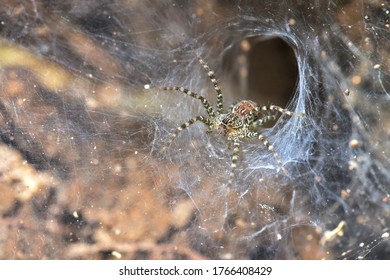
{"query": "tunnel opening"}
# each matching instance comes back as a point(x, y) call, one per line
point(263, 69)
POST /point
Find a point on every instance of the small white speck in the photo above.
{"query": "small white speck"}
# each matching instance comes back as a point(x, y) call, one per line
point(278, 236)
point(385, 235)
point(75, 214)
point(361, 244)
point(146, 86)
point(377, 66)
point(136, 152)
point(116, 254)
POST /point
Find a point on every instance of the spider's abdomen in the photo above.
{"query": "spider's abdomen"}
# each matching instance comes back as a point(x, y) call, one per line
point(245, 109)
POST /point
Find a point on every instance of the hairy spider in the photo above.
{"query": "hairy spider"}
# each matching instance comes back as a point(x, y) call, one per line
point(237, 123)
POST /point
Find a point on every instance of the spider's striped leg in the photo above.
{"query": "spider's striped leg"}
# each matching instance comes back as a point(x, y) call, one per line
point(232, 196)
point(204, 101)
point(211, 75)
point(236, 151)
point(184, 126)
point(281, 110)
point(263, 120)
point(270, 148)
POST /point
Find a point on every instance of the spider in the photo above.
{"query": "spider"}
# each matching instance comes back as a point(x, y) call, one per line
point(236, 124)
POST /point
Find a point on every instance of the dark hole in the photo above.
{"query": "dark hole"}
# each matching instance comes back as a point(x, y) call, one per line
point(263, 69)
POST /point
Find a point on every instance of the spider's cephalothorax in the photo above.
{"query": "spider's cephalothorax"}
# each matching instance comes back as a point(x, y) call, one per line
point(233, 123)
point(238, 123)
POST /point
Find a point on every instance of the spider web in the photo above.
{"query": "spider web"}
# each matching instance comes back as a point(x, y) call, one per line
point(91, 117)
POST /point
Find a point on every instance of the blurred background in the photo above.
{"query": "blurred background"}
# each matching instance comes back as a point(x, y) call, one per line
point(83, 116)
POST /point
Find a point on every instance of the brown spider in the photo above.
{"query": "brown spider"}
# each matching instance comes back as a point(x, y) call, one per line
point(237, 123)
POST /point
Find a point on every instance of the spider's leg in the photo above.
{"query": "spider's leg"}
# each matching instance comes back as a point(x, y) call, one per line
point(274, 108)
point(185, 126)
point(263, 120)
point(270, 148)
point(236, 151)
point(204, 101)
point(211, 75)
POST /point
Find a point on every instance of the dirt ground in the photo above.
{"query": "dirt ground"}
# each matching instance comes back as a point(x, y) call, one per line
point(77, 179)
